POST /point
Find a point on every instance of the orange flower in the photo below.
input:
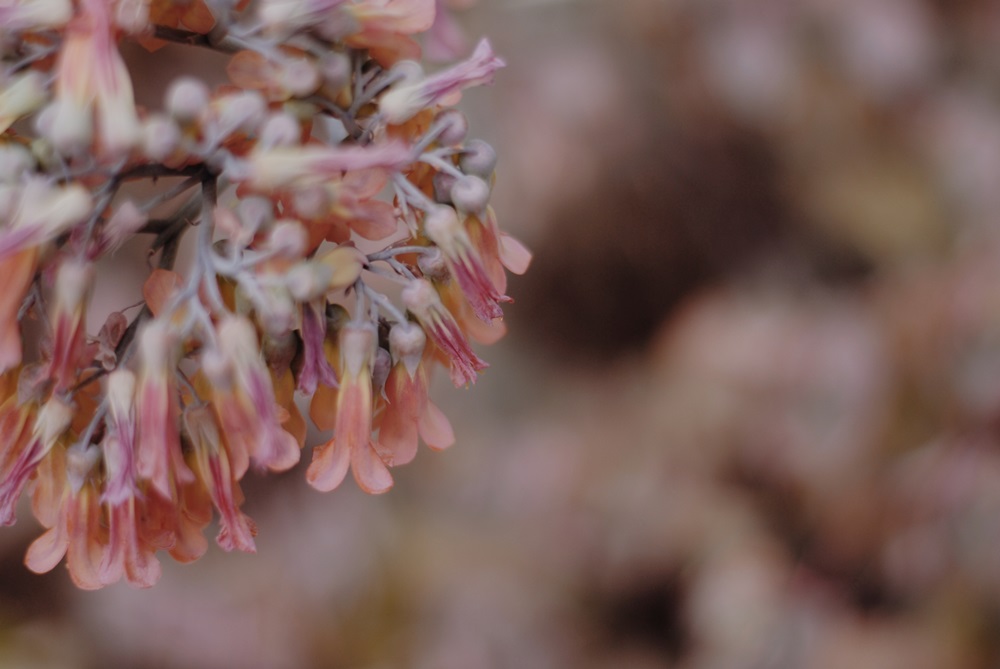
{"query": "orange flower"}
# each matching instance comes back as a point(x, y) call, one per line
point(18, 271)
point(352, 445)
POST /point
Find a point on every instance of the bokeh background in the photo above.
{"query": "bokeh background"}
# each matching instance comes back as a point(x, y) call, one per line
point(747, 415)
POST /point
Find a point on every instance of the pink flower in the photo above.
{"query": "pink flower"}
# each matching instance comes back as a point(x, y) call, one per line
point(408, 412)
point(74, 281)
point(406, 99)
point(30, 436)
point(465, 262)
point(236, 530)
point(425, 304)
point(91, 79)
point(158, 456)
point(352, 445)
point(315, 368)
point(243, 398)
point(37, 212)
point(280, 167)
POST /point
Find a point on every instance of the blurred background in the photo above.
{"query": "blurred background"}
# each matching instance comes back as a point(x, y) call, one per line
point(748, 412)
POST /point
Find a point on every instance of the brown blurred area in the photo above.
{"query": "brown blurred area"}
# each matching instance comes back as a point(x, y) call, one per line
point(748, 413)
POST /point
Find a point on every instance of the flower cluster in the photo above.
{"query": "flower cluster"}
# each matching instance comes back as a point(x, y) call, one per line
point(344, 247)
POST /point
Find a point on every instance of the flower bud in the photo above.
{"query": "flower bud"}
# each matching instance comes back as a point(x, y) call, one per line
point(281, 129)
point(470, 194)
point(308, 280)
point(433, 265)
point(186, 98)
point(15, 161)
point(160, 138)
point(288, 239)
point(478, 158)
point(406, 342)
point(443, 183)
point(441, 224)
point(456, 127)
point(336, 69)
point(300, 76)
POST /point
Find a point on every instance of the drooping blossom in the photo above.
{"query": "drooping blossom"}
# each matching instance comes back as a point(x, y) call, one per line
point(408, 412)
point(403, 102)
point(93, 90)
point(352, 444)
point(244, 401)
point(158, 449)
point(425, 304)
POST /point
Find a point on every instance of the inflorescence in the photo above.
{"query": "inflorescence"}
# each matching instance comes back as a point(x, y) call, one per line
point(344, 247)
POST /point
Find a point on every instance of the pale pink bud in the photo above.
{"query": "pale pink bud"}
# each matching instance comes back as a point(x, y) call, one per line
point(455, 127)
point(478, 158)
point(300, 76)
point(21, 95)
point(186, 98)
point(406, 342)
point(288, 239)
point(126, 220)
point(470, 194)
point(160, 138)
point(18, 16)
point(281, 129)
point(15, 162)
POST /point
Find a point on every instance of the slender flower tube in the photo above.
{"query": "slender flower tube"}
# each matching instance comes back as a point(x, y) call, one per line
point(279, 167)
point(352, 445)
point(463, 258)
point(74, 283)
point(158, 455)
point(31, 435)
point(236, 530)
point(243, 398)
point(406, 99)
point(40, 212)
point(425, 304)
point(128, 555)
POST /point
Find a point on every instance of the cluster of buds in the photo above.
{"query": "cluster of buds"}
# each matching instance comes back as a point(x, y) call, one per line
point(344, 247)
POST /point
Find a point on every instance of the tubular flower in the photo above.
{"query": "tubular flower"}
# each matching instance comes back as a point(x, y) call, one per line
point(236, 530)
point(158, 449)
point(408, 412)
point(31, 435)
point(76, 532)
point(37, 212)
point(404, 102)
point(352, 443)
point(350, 180)
point(425, 304)
point(128, 555)
point(74, 282)
point(93, 87)
point(315, 368)
point(244, 401)
point(465, 262)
